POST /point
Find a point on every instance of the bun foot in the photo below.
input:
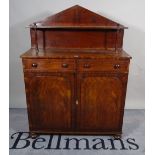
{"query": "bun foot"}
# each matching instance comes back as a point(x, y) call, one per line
point(33, 135)
point(117, 136)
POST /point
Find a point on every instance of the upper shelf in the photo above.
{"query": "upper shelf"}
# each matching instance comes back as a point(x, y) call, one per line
point(77, 17)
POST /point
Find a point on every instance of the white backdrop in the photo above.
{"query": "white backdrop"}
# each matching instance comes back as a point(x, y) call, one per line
point(127, 12)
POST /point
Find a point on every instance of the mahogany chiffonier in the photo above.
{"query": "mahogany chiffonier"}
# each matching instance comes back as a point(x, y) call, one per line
point(76, 74)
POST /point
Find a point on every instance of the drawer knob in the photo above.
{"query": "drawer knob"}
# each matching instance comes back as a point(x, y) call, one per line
point(65, 65)
point(117, 66)
point(86, 66)
point(34, 65)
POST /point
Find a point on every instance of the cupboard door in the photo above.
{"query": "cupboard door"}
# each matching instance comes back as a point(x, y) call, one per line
point(49, 101)
point(101, 98)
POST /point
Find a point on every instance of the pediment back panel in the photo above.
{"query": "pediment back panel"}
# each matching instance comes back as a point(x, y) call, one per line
point(77, 15)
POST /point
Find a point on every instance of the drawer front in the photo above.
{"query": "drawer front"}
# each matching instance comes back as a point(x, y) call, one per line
point(103, 65)
point(48, 65)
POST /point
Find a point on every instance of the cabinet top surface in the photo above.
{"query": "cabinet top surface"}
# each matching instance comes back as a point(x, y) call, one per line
point(75, 53)
point(77, 17)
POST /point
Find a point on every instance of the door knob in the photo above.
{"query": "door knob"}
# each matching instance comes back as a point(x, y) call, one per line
point(64, 65)
point(34, 65)
point(117, 66)
point(86, 66)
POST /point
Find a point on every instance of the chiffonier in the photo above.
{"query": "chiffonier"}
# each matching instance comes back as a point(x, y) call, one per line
point(76, 74)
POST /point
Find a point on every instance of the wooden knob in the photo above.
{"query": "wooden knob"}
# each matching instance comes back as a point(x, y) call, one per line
point(86, 66)
point(117, 66)
point(34, 65)
point(65, 65)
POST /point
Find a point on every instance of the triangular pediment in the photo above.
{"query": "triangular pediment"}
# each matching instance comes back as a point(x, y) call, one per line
point(77, 16)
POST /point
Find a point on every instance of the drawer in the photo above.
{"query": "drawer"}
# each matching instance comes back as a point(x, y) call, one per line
point(49, 64)
point(103, 65)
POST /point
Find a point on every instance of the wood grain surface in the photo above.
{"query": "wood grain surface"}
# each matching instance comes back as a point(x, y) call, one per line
point(76, 74)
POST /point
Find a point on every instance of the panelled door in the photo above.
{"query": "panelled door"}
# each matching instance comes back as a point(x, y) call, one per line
point(100, 101)
point(50, 101)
